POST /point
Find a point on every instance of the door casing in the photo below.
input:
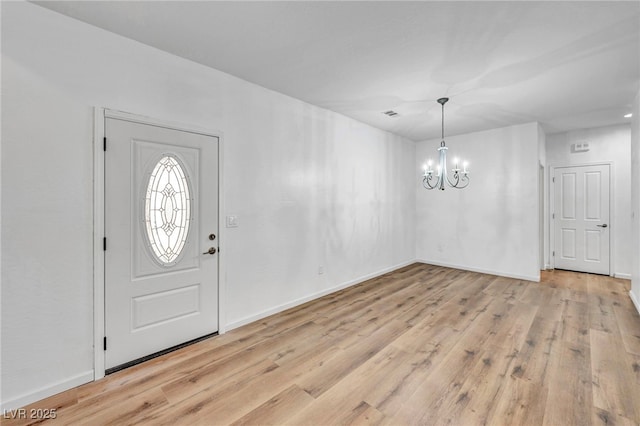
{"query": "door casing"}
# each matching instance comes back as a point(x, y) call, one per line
point(552, 209)
point(99, 206)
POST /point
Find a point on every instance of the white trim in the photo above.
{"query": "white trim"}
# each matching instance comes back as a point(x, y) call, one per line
point(541, 216)
point(622, 275)
point(635, 300)
point(98, 235)
point(300, 301)
point(535, 278)
point(552, 221)
point(612, 218)
point(552, 229)
point(47, 391)
point(141, 119)
point(222, 234)
point(100, 114)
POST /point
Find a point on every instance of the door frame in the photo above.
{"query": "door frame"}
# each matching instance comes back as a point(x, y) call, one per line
point(99, 320)
point(552, 221)
point(541, 216)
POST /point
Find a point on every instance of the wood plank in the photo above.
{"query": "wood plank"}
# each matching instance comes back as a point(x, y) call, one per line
point(534, 358)
point(635, 366)
point(569, 393)
point(520, 402)
point(370, 416)
point(440, 390)
point(512, 337)
point(224, 402)
point(59, 403)
point(334, 412)
point(448, 375)
point(629, 325)
point(420, 345)
point(574, 323)
point(491, 381)
point(600, 417)
point(279, 409)
point(611, 370)
point(601, 314)
point(343, 403)
point(350, 358)
point(226, 368)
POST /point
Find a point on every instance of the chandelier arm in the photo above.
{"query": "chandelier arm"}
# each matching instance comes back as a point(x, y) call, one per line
point(426, 182)
point(465, 179)
point(461, 183)
point(456, 180)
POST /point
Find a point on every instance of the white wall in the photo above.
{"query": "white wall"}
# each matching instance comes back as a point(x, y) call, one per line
point(635, 203)
point(311, 188)
point(492, 225)
point(606, 144)
point(544, 194)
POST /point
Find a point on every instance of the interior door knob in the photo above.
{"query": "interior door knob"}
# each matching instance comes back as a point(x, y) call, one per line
point(211, 250)
point(603, 226)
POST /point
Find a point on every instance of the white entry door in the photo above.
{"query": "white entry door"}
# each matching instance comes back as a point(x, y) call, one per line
point(161, 226)
point(582, 226)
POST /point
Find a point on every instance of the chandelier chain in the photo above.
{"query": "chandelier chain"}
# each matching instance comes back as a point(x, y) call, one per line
point(443, 122)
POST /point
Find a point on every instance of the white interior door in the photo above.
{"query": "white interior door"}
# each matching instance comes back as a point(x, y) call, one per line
point(161, 218)
point(582, 227)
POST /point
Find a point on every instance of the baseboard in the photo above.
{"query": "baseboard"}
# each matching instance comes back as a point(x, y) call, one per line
point(535, 278)
point(635, 300)
point(47, 391)
point(300, 301)
point(621, 275)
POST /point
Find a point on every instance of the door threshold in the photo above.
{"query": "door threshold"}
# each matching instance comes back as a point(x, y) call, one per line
point(157, 354)
point(579, 272)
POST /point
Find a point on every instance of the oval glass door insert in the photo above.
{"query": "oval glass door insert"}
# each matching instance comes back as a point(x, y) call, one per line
point(167, 210)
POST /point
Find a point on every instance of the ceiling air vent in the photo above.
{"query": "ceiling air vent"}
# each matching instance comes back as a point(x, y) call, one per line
point(390, 113)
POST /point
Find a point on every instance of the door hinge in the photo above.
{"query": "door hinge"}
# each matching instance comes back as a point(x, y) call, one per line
point(553, 180)
point(104, 143)
point(553, 215)
point(104, 343)
point(554, 254)
point(104, 244)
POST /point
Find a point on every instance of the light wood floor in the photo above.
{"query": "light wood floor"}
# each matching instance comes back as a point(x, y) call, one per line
point(421, 345)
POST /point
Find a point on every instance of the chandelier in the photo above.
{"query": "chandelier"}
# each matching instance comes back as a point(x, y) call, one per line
point(460, 177)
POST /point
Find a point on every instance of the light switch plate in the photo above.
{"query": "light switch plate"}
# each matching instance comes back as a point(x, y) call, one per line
point(232, 221)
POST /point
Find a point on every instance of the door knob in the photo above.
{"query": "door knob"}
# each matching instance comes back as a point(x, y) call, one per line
point(602, 226)
point(211, 250)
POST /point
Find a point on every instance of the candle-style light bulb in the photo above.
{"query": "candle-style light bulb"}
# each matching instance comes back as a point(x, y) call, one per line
point(455, 161)
point(465, 165)
point(428, 170)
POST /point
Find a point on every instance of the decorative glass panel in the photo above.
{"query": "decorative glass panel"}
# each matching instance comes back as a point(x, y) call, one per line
point(167, 210)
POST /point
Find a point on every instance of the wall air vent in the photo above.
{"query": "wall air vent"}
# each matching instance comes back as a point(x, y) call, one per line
point(579, 147)
point(390, 113)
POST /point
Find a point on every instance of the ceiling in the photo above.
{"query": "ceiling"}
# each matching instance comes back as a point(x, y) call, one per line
point(567, 65)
